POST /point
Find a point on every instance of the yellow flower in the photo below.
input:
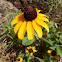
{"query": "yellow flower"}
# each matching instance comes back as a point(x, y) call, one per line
point(19, 59)
point(31, 50)
point(52, 52)
point(29, 21)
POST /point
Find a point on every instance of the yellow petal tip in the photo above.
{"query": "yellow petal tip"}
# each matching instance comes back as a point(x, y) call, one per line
point(49, 51)
point(50, 23)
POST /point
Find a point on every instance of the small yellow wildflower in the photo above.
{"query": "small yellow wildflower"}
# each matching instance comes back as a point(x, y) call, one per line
point(52, 52)
point(31, 50)
point(19, 59)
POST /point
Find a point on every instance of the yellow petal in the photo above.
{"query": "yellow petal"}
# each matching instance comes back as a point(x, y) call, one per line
point(43, 24)
point(22, 30)
point(27, 51)
point(18, 15)
point(14, 22)
point(34, 50)
point(18, 18)
point(30, 30)
point(38, 10)
point(37, 29)
point(17, 26)
point(50, 23)
point(33, 47)
point(42, 15)
point(49, 51)
point(29, 47)
point(43, 18)
point(31, 54)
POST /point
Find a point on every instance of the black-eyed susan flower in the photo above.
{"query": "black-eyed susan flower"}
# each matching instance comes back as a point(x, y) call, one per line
point(19, 59)
point(31, 50)
point(52, 52)
point(30, 20)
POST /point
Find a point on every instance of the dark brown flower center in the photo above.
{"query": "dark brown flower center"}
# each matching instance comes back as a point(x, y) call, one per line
point(30, 13)
point(18, 59)
point(29, 8)
point(53, 53)
point(30, 50)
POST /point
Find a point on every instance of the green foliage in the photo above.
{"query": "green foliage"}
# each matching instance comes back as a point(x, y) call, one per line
point(21, 55)
point(29, 58)
point(59, 50)
point(15, 14)
point(27, 42)
point(52, 3)
point(7, 30)
point(55, 37)
point(41, 60)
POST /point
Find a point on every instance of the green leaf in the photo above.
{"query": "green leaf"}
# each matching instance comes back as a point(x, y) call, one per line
point(10, 36)
point(61, 36)
point(24, 60)
point(61, 41)
point(20, 11)
point(26, 42)
point(3, 36)
point(12, 14)
point(59, 51)
point(17, 12)
point(21, 55)
point(57, 39)
point(50, 9)
point(8, 22)
point(2, 28)
point(36, 35)
point(5, 26)
point(4, 32)
point(49, 35)
point(29, 58)
point(27, 55)
point(53, 47)
point(41, 60)
point(5, 45)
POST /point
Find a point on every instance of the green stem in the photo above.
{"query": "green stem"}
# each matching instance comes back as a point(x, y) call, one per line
point(47, 41)
point(41, 60)
point(28, 60)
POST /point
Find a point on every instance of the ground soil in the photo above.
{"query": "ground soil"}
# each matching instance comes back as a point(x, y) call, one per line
point(5, 8)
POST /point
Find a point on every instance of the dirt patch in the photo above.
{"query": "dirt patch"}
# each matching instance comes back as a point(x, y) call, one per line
point(5, 8)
